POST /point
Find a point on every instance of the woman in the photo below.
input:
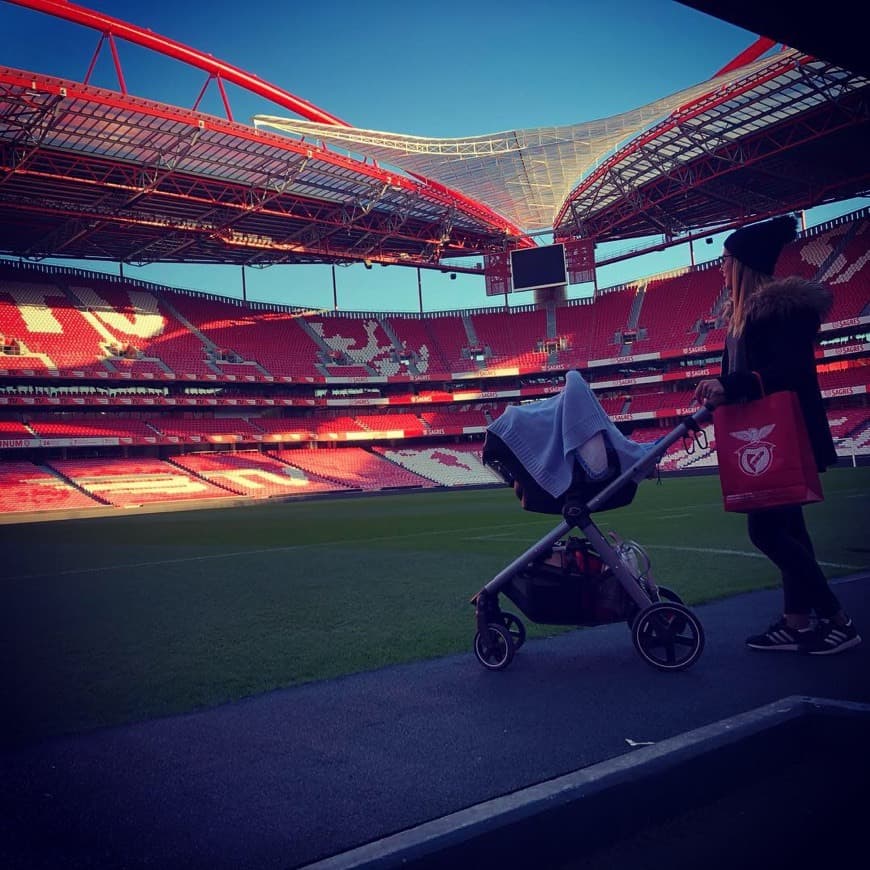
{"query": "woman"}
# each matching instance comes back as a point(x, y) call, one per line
point(772, 330)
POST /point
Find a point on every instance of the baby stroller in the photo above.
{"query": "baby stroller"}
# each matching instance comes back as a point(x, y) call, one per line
point(585, 581)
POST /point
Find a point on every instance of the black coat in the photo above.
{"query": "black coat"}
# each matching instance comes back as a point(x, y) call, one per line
point(782, 325)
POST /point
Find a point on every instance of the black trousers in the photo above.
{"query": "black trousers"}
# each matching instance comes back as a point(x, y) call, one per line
point(781, 534)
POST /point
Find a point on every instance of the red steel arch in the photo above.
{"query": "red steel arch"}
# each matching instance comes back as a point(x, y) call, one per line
point(105, 24)
point(111, 27)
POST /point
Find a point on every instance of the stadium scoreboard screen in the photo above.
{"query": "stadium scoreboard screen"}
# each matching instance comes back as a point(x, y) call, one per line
point(534, 268)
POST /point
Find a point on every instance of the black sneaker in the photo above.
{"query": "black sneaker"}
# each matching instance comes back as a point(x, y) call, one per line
point(830, 638)
point(780, 637)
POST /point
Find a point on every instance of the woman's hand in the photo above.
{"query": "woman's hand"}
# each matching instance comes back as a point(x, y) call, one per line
point(710, 392)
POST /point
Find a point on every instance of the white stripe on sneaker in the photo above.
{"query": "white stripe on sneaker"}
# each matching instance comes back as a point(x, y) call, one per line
point(836, 648)
point(835, 639)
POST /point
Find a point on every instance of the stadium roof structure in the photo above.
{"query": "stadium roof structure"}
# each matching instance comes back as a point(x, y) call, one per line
point(784, 136)
point(90, 173)
point(757, 139)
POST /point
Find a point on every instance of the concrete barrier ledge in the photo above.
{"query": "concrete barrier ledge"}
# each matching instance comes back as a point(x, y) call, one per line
point(589, 807)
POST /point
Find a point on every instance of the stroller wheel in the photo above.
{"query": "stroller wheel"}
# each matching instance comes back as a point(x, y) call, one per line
point(668, 636)
point(494, 648)
point(515, 628)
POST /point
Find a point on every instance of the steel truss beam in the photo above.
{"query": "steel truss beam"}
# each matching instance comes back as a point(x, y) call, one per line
point(333, 177)
point(777, 95)
point(766, 154)
point(113, 194)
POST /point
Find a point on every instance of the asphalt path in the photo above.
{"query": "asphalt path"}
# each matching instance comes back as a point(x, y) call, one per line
point(284, 779)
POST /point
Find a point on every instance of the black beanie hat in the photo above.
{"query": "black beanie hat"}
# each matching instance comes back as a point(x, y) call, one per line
point(759, 246)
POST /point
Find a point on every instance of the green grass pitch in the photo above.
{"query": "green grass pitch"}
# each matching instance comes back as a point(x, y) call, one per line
point(131, 616)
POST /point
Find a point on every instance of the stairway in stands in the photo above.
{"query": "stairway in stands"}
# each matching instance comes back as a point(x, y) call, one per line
point(71, 483)
point(831, 259)
point(473, 340)
point(212, 349)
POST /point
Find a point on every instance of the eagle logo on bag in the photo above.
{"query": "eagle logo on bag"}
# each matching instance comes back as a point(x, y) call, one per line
point(756, 455)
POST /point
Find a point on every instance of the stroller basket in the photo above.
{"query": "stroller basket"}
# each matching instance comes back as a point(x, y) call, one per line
point(571, 585)
point(498, 456)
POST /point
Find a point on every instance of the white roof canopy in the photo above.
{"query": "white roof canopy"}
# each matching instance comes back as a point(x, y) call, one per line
point(524, 175)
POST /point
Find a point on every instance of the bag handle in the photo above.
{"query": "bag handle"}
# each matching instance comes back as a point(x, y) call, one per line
point(760, 383)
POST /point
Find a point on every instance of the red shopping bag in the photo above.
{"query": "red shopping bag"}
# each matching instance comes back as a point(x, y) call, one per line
point(765, 457)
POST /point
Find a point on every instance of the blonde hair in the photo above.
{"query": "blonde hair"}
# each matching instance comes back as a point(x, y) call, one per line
point(745, 283)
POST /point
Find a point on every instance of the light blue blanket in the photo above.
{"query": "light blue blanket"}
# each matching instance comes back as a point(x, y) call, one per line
point(547, 436)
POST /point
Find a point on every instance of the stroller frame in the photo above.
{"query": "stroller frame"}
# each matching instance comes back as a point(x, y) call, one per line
point(665, 633)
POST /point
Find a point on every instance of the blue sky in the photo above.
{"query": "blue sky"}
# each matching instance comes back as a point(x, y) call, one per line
point(446, 69)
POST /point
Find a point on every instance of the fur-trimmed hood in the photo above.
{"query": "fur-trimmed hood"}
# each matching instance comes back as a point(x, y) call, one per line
point(789, 297)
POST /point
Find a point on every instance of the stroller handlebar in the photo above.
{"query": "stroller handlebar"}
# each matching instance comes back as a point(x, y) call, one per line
point(643, 466)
